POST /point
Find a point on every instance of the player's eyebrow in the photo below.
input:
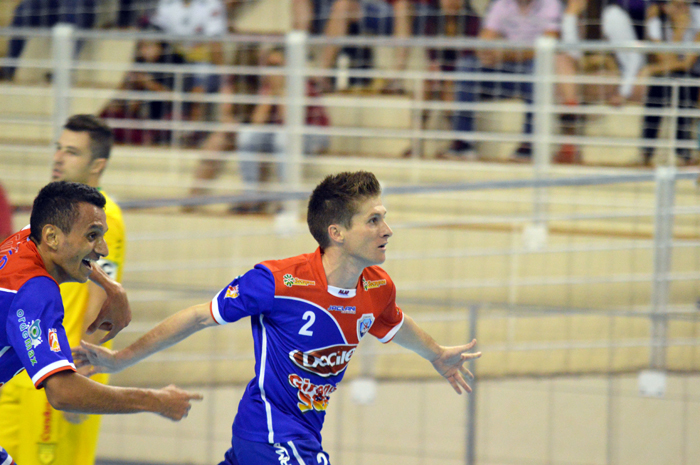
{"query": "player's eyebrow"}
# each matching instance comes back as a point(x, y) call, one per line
point(97, 227)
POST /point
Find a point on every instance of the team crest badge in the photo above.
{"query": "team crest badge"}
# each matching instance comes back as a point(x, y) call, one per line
point(363, 324)
point(231, 292)
point(53, 341)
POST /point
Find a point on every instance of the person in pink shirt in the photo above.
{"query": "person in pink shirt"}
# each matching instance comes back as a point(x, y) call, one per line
point(521, 21)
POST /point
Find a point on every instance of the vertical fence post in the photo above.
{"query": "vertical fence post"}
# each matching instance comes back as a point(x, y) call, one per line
point(178, 112)
point(471, 399)
point(296, 53)
point(663, 236)
point(63, 43)
point(673, 123)
point(543, 97)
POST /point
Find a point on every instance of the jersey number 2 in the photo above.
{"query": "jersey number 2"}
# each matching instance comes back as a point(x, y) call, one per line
point(311, 316)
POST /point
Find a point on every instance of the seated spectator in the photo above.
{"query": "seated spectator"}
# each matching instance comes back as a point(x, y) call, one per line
point(46, 14)
point(680, 23)
point(515, 20)
point(210, 167)
point(337, 18)
point(6, 228)
point(448, 18)
point(191, 19)
point(252, 142)
point(623, 21)
point(147, 52)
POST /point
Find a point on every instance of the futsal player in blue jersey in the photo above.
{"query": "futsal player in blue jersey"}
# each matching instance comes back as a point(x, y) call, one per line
point(307, 313)
point(64, 240)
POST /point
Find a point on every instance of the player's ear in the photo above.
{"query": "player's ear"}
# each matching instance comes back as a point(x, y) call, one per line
point(49, 236)
point(335, 233)
point(97, 166)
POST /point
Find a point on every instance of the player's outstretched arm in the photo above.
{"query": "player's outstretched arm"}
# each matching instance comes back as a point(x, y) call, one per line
point(448, 361)
point(115, 313)
point(69, 391)
point(169, 332)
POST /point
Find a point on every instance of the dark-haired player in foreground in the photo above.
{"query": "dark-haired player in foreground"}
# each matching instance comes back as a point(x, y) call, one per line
point(65, 238)
point(308, 313)
point(31, 430)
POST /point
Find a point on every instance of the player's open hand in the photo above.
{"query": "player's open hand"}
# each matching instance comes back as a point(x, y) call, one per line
point(450, 364)
point(175, 403)
point(91, 359)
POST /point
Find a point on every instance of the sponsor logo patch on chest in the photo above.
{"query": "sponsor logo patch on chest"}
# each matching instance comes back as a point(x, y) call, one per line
point(290, 281)
point(342, 309)
point(368, 284)
point(327, 361)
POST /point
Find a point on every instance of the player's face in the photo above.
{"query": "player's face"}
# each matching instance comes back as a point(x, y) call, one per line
point(73, 158)
point(366, 240)
point(84, 244)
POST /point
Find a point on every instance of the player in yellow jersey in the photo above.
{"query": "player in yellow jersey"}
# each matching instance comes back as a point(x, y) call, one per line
point(31, 431)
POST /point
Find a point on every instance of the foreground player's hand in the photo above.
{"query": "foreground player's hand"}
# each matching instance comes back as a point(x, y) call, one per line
point(91, 359)
point(175, 403)
point(74, 418)
point(115, 313)
point(450, 364)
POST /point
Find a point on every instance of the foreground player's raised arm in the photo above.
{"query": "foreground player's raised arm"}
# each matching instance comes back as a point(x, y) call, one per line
point(448, 361)
point(69, 391)
point(169, 332)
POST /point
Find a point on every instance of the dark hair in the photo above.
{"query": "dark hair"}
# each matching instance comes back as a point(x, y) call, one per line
point(101, 137)
point(57, 204)
point(336, 199)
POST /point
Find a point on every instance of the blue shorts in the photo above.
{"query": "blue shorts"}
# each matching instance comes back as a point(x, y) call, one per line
point(5, 458)
point(298, 452)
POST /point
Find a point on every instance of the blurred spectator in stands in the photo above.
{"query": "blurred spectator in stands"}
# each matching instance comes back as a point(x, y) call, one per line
point(191, 19)
point(520, 21)
point(624, 21)
point(337, 18)
point(252, 142)
point(446, 18)
point(216, 143)
point(6, 228)
point(131, 12)
point(147, 52)
point(46, 14)
point(680, 22)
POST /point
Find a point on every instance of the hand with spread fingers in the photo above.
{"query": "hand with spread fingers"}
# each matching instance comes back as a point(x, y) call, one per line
point(92, 359)
point(450, 364)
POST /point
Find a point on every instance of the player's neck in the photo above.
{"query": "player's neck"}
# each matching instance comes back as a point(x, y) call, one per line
point(55, 271)
point(340, 272)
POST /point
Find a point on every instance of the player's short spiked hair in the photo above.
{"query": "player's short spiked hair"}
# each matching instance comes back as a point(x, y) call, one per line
point(336, 199)
point(57, 204)
point(101, 136)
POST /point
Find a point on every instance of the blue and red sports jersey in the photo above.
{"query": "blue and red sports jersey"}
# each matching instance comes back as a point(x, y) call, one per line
point(31, 314)
point(305, 333)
